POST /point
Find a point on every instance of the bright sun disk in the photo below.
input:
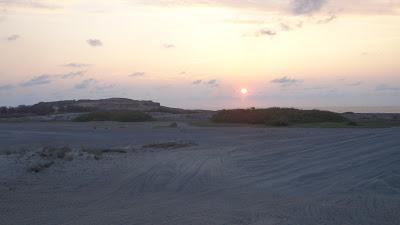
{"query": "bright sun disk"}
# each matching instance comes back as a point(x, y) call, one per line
point(243, 91)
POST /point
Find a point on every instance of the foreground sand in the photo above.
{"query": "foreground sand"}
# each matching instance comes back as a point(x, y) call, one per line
point(232, 176)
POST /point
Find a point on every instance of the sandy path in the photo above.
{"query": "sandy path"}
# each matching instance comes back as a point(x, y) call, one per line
point(234, 176)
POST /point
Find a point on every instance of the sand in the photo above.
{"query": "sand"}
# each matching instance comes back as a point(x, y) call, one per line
point(234, 175)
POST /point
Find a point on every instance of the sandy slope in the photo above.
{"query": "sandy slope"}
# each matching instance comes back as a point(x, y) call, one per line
point(234, 176)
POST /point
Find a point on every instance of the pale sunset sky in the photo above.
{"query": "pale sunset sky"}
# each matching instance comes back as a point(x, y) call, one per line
point(201, 53)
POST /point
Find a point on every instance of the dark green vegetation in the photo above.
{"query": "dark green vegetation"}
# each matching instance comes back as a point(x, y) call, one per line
point(278, 117)
point(114, 115)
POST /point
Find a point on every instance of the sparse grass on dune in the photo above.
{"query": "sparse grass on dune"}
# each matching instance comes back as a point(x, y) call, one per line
point(169, 145)
point(98, 153)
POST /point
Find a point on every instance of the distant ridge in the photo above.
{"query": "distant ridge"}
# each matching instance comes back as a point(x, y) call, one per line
point(87, 105)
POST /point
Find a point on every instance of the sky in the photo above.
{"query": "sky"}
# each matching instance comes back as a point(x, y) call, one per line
point(201, 53)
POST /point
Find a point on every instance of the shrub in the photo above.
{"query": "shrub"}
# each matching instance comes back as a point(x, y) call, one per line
point(114, 115)
point(55, 153)
point(276, 116)
point(352, 123)
point(36, 168)
point(278, 123)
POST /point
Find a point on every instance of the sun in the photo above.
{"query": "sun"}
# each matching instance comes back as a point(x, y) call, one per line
point(243, 91)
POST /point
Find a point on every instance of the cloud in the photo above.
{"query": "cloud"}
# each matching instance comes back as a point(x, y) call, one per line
point(357, 83)
point(213, 83)
point(288, 26)
point(71, 75)
point(302, 7)
point(285, 27)
point(296, 7)
point(169, 46)
point(85, 84)
point(36, 4)
point(6, 87)
point(265, 32)
point(13, 37)
point(46, 78)
point(327, 20)
point(385, 87)
point(94, 42)
point(37, 80)
point(285, 81)
point(105, 87)
point(76, 65)
point(196, 82)
point(137, 74)
point(210, 83)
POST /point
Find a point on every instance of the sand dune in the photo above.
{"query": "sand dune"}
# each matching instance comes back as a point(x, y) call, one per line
point(232, 176)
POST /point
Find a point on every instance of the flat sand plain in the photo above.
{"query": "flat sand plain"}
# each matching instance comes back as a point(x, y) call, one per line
point(225, 176)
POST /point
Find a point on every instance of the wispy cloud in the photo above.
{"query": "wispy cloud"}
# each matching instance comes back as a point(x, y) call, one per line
point(264, 32)
point(13, 37)
point(71, 75)
point(168, 46)
point(286, 81)
point(76, 65)
point(37, 80)
point(85, 84)
point(38, 4)
point(48, 78)
point(137, 74)
point(210, 83)
point(6, 87)
point(94, 42)
point(385, 87)
point(357, 83)
point(307, 6)
point(289, 26)
point(196, 82)
point(104, 87)
point(327, 20)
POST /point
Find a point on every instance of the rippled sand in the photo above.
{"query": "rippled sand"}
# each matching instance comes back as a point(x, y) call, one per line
point(232, 176)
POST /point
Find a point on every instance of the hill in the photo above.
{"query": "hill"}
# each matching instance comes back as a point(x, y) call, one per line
point(83, 106)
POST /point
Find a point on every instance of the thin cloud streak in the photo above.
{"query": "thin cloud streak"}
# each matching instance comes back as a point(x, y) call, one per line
point(285, 81)
point(13, 37)
point(37, 80)
point(94, 42)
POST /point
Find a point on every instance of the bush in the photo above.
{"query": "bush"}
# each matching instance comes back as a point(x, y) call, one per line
point(114, 115)
point(49, 152)
point(276, 116)
point(352, 123)
point(36, 168)
point(278, 123)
